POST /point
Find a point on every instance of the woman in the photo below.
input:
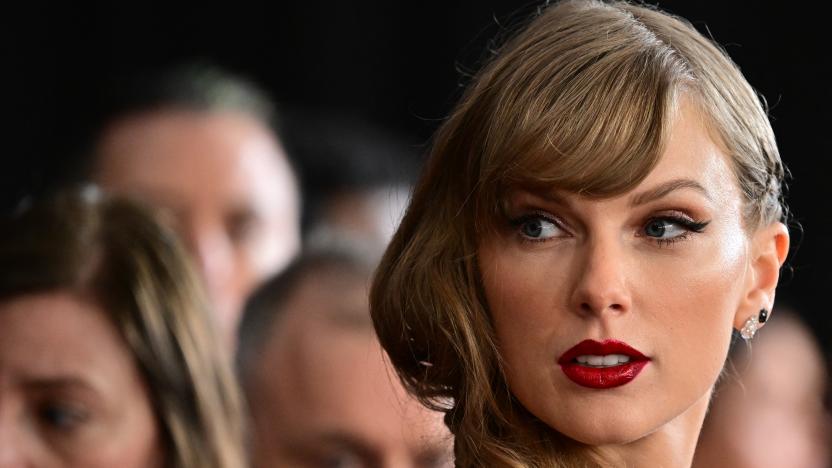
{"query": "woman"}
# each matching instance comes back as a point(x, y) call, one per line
point(107, 355)
point(598, 213)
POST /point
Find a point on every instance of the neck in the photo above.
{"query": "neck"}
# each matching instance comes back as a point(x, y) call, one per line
point(670, 446)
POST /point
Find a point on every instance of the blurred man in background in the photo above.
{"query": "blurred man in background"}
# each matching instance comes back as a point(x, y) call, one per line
point(198, 143)
point(320, 391)
point(356, 178)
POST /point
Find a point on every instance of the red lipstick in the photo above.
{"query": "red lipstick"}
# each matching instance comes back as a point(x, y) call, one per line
point(588, 374)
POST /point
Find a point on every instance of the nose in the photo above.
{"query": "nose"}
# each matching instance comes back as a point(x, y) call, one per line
point(11, 448)
point(214, 256)
point(602, 278)
point(223, 276)
point(213, 253)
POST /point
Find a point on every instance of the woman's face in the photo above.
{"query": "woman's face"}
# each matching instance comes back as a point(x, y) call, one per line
point(657, 277)
point(70, 392)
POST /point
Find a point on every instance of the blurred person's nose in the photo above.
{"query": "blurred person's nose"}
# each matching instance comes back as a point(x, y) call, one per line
point(11, 443)
point(408, 459)
point(214, 253)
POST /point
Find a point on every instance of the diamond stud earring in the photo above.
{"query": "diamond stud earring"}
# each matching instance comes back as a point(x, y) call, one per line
point(750, 328)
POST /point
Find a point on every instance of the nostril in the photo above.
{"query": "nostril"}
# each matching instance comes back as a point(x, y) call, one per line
point(588, 308)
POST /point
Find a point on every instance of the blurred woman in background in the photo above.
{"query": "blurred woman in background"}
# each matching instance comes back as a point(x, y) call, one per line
point(107, 354)
point(768, 409)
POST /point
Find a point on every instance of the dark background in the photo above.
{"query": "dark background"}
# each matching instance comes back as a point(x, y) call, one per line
point(399, 64)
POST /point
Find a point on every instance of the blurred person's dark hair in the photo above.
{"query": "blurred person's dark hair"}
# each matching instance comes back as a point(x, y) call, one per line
point(265, 306)
point(338, 153)
point(115, 253)
point(198, 86)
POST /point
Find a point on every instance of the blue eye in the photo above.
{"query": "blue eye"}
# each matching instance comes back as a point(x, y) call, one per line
point(664, 229)
point(342, 461)
point(61, 417)
point(537, 228)
point(669, 229)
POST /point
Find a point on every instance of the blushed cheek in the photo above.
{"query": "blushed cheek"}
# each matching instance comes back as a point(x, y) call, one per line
point(136, 442)
point(522, 295)
point(142, 451)
point(129, 450)
point(708, 299)
point(154, 453)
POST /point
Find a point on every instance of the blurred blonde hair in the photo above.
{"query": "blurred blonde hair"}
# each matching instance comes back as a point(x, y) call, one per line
point(115, 253)
point(581, 100)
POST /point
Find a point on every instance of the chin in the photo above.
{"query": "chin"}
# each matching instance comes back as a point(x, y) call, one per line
point(612, 436)
point(599, 430)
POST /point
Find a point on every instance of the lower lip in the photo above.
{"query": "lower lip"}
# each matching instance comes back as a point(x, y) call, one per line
point(603, 377)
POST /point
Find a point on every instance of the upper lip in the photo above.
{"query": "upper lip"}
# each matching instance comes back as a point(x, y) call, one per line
point(600, 348)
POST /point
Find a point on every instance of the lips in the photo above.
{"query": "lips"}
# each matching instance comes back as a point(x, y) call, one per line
point(602, 364)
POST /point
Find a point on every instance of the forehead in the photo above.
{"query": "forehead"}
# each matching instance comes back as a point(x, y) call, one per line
point(693, 151)
point(182, 157)
point(329, 374)
point(53, 335)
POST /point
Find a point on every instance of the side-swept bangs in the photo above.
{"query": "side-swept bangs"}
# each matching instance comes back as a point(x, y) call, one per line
point(581, 100)
point(583, 112)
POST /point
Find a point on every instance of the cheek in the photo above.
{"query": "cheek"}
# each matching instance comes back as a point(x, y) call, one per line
point(126, 441)
point(132, 442)
point(693, 303)
point(142, 438)
point(524, 294)
point(129, 435)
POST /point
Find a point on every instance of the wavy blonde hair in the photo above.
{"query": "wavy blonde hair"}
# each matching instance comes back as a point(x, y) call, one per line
point(114, 252)
point(581, 99)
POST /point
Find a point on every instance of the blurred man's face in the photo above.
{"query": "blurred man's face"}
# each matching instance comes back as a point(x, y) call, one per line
point(226, 184)
point(323, 396)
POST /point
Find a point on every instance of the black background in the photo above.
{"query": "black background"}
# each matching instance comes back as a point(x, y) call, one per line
point(396, 63)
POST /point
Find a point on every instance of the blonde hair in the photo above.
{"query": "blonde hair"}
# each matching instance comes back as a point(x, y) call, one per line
point(114, 252)
point(581, 100)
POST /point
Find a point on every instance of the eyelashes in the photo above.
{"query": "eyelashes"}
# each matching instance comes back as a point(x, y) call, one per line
point(537, 227)
point(664, 230)
point(61, 416)
point(681, 228)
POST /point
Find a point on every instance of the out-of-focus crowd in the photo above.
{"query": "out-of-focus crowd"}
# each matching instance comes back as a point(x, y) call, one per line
point(198, 298)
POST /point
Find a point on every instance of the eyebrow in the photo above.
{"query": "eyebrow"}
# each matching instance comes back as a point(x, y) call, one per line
point(60, 382)
point(347, 318)
point(665, 189)
point(548, 196)
point(340, 440)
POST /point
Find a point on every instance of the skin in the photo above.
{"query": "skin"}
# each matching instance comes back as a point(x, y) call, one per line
point(226, 186)
point(773, 399)
point(70, 392)
point(595, 273)
point(324, 396)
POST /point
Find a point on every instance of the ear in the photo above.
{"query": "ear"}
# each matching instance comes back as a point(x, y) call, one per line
point(769, 248)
